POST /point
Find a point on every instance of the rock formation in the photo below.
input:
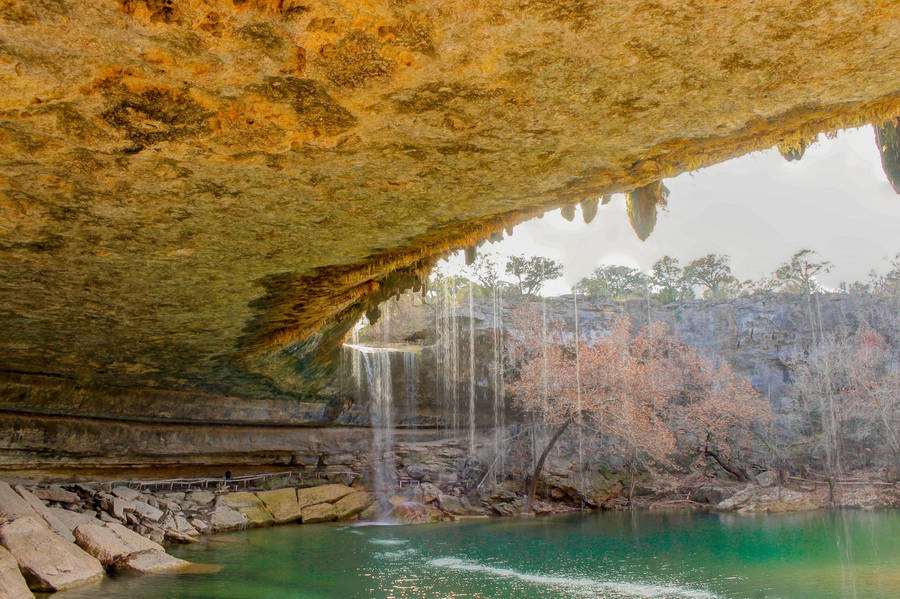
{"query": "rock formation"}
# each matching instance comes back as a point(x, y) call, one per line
point(203, 195)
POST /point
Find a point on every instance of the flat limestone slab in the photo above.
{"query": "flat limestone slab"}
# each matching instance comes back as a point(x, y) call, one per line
point(72, 519)
point(101, 542)
point(321, 512)
point(225, 519)
point(56, 525)
point(322, 494)
point(12, 505)
point(149, 562)
point(282, 503)
point(56, 493)
point(352, 504)
point(250, 506)
point(12, 584)
point(48, 562)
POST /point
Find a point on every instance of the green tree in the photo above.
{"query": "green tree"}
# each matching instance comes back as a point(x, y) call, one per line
point(613, 281)
point(713, 273)
point(531, 272)
point(486, 273)
point(668, 283)
point(799, 274)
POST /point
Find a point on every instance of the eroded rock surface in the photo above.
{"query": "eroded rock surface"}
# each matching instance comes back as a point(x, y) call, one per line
point(12, 585)
point(190, 191)
point(48, 562)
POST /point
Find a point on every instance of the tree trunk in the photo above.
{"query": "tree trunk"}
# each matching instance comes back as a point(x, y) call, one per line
point(732, 469)
point(532, 486)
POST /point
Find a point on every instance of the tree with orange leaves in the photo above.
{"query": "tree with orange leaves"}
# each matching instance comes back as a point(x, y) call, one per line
point(639, 389)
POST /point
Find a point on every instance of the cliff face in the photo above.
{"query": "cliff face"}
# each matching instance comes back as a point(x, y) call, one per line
point(197, 194)
point(54, 424)
point(759, 336)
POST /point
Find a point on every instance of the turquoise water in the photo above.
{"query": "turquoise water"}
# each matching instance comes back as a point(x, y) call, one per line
point(819, 555)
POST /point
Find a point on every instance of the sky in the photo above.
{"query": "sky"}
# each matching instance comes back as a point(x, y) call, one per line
point(759, 209)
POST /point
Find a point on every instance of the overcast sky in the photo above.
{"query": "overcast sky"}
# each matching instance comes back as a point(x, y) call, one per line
point(759, 209)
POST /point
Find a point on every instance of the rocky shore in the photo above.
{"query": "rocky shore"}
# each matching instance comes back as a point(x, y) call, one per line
point(54, 537)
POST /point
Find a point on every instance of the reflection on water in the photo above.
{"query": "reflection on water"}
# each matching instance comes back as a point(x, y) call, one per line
point(615, 555)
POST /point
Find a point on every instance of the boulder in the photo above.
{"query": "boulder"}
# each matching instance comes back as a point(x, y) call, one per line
point(711, 494)
point(352, 504)
point(754, 498)
point(322, 494)
point(113, 506)
point(175, 536)
point(144, 511)
point(12, 505)
point(55, 524)
point(101, 542)
point(183, 526)
point(133, 540)
point(321, 512)
point(224, 519)
point(48, 562)
point(71, 519)
point(451, 504)
point(148, 562)
point(111, 542)
point(200, 497)
point(57, 494)
point(199, 525)
point(250, 506)
point(126, 493)
point(12, 584)
point(430, 492)
point(416, 513)
point(282, 503)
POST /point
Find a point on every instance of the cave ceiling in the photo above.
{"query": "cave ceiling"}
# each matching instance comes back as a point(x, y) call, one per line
point(195, 194)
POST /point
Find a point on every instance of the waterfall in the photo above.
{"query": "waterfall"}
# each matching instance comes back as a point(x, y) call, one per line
point(356, 363)
point(578, 398)
point(496, 374)
point(471, 374)
point(446, 352)
point(411, 385)
point(377, 363)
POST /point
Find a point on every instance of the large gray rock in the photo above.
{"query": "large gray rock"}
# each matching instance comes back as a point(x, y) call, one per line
point(48, 562)
point(148, 562)
point(322, 494)
point(201, 497)
point(126, 493)
point(452, 505)
point(113, 506)
point(352, 504)
point(144, 511)
point(321, 512)
point(71, 519)
point(133, 540)
point(101, 542)
point(224, 519)
point(55, 524)
point(112, 542)
point(250, 506)
point(12, 584)
point(12, 505)
point(56, 493)
point(282, 503)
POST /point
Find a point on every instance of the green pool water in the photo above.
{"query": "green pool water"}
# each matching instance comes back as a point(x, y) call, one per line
point(819, 555)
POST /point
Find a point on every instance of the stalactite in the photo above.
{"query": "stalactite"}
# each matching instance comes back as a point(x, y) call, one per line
point(589, 209)
point(888, 137)
point(642, 203)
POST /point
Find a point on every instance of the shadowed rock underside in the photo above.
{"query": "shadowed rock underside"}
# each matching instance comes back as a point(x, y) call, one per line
point(202, 194)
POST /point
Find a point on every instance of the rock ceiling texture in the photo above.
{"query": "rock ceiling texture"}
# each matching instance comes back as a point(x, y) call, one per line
point(195, 193)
